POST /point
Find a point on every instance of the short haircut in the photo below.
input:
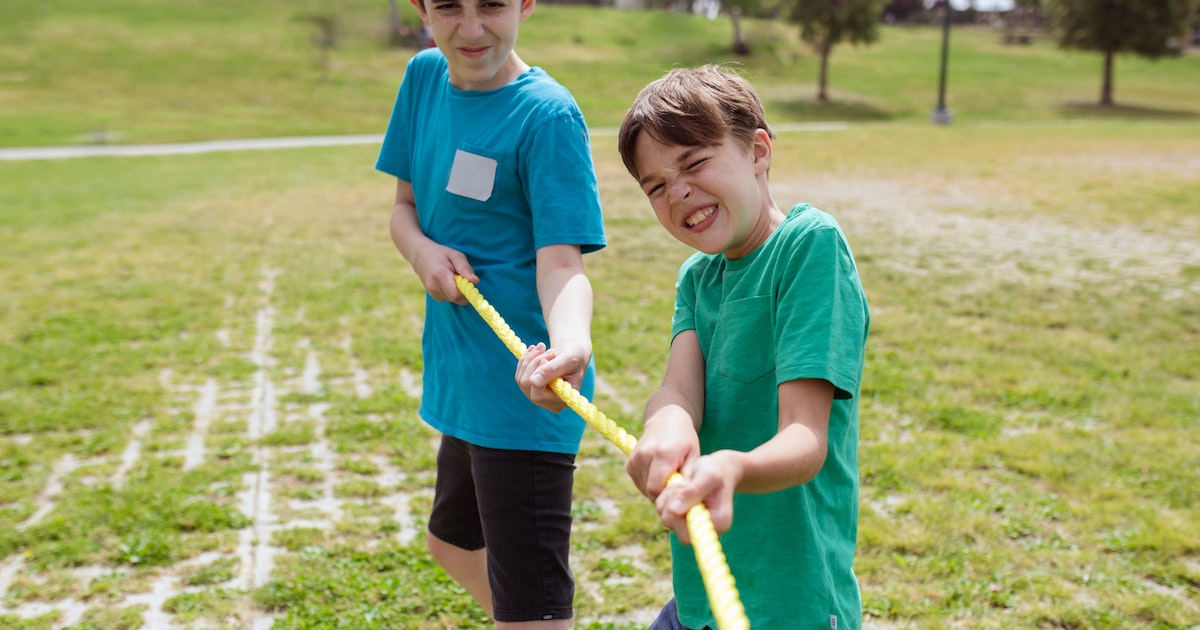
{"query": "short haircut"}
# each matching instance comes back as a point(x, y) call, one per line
point(693, 107)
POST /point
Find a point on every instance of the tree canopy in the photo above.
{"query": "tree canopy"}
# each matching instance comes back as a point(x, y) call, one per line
point(826, 23)
point(1150, 28)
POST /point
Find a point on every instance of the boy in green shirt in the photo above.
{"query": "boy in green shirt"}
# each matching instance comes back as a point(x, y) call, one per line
point(758, 408)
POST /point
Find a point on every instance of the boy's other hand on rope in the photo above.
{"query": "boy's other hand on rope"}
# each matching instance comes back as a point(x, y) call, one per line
point(539, 366)
point(710, 480)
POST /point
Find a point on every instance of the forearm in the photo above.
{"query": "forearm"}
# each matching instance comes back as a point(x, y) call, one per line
point(680, 398)
point(406, 231)
point(668, 406)
point(566, 296)
point(793, 457)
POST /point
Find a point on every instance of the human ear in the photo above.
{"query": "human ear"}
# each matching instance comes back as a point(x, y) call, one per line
point(527, 8)
point(420, 4)
point(760, 147)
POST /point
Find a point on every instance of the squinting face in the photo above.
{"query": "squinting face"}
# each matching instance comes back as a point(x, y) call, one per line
point(477, 37)
point(711, 198)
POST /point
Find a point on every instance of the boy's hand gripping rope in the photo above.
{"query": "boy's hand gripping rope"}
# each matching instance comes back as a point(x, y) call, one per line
point(718, 581)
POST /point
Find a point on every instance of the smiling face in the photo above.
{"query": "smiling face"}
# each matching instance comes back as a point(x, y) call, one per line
point(477, 37)
point(697, 142)
point(712, 198)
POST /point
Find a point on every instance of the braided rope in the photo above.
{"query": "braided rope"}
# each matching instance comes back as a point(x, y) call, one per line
point(718, 581)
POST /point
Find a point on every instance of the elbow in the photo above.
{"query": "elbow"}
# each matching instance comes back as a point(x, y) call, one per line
point(814, 464)
point(809, 459)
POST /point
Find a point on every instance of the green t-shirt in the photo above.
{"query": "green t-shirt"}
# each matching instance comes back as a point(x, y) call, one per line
point(794, 308)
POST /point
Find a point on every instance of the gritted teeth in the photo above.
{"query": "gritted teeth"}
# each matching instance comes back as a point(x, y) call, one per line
point(697, 217)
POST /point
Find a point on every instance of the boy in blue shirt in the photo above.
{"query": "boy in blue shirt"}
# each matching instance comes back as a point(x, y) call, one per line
point(494, 182)
point(758, 408)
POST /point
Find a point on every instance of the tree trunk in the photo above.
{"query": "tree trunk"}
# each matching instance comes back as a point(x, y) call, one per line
point(821, 96)
point(826, 48)
point(739, 44)
point(1106, 99)
point(395, 36)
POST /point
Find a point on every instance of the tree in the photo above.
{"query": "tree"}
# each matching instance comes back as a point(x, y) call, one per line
point(395, 24)
point(736, 9)
point(827, 23)
point(1149, 28)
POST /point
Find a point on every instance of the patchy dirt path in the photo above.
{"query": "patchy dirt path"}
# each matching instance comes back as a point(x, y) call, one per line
point(260, 405)
point(938, 228)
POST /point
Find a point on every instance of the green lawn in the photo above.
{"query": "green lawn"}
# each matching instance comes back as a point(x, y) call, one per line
point(209, 363)
point(131, 71)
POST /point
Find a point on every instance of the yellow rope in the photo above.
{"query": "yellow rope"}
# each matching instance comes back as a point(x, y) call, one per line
point(718, 581)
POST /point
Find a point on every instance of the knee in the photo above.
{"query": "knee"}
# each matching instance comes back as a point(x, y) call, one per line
point(436, 546)
point(443, 552)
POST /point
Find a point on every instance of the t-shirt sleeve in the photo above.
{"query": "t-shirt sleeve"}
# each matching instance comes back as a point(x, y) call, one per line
point(684, 316)
point(821, 323)
point(561, 185)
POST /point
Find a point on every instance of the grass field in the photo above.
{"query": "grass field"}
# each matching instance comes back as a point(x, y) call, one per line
point(210, 364)
point(131, 71)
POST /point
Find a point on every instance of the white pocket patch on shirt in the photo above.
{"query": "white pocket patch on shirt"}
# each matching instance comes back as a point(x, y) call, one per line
point(472, 176)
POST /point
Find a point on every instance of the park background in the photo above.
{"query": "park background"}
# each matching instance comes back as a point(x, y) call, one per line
point(210, 361)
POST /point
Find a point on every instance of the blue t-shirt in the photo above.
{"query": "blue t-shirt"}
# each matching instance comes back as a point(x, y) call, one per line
point(496, 174)
point(792, 309)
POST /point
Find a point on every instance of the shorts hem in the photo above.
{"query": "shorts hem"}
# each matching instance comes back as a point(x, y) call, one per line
point(473, 545)
point(533, 615)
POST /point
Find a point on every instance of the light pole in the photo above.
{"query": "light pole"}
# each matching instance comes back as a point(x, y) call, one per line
point(942, 115)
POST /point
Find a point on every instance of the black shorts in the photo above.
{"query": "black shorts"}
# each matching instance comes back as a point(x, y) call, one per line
point(517, 505)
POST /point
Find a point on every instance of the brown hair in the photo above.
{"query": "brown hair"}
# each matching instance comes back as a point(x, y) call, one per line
point(693, 107)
